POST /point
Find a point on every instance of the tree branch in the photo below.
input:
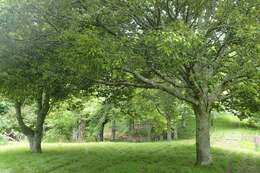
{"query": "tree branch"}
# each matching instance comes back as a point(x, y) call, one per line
point(171, 90)
point(228, 80)
point(25, 129)
point(43, 108)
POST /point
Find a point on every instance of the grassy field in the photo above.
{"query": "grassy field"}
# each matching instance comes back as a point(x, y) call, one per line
point(233, 151)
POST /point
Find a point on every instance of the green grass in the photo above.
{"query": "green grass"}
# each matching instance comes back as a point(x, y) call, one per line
point(162, 157)
point(236, 155)
point(230, 133)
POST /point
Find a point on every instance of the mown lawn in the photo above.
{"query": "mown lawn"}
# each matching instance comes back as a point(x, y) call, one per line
point(161, 157)
point(230, 155)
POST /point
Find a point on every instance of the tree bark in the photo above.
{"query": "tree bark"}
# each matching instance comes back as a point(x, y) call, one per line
point(183, 121)
point(202, 135)
point(101, 132)
point(35, 143)
point(82, 128)
point(169, 129)
point(34, 135)
point(175, 131)
point(149, 134)
point(79, 131)
point(113, 131)
point(131, 128)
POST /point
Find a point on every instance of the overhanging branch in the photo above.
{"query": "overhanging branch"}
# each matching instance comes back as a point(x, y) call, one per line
point(171, 90)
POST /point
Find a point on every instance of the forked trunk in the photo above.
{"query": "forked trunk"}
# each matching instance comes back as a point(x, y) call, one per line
point(34, 135)
point(202, 136)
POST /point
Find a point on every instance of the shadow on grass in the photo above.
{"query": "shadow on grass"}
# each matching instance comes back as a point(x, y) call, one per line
point(161, 157)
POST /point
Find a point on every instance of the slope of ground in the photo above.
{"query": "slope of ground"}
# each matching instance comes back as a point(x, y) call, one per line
point(161, 157)
point(230, 133)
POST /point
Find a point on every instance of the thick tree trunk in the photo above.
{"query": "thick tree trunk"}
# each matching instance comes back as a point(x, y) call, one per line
point(35, 143)
point(113, 131)
point(34, 135)
point(202, 136)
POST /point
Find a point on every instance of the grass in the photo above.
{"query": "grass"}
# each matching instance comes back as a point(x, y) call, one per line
point(230, 133)
point(160, 157)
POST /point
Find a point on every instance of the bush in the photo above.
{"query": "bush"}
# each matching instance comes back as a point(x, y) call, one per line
point(60, 127)
point(254, 120)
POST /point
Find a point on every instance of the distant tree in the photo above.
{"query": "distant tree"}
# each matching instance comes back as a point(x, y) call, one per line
point(141, 110)
point(167, 106)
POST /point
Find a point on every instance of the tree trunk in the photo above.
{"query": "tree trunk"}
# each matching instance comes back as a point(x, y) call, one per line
point(35, 143)
point(82, 128)
point(75, 133)
point(101, 132)
point(183, 121)
point(131, 128)
point(113, 131)
point(34, 138)
point(149, 134)
point(79, 131)
point(175, 131)
point(169, 129)
point(34, 135)
point(202, 135)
